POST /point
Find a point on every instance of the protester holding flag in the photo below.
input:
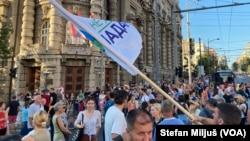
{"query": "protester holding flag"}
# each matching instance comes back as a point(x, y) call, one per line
point(118, 40)
point(224, 114)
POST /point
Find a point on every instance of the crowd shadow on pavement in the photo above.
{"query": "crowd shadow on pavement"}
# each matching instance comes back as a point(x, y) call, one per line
point(14, 137)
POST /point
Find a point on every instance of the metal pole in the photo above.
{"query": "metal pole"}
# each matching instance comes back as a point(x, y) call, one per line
point(200, 55)
point(209, 53)
point(14, 49)
point(175, 39)
point(208, 58)
point(189, 54)
point(213, 63)
point(102, 67)
point(156, 50)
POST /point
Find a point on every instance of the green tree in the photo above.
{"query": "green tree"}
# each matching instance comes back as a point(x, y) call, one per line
point(222, 67)
point(205, 61)
point(244, 64)
point(235, 66)
point(5, 50)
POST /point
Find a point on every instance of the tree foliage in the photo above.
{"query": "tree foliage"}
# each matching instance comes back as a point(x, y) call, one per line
point(209, 62)
point(5, 33)
point(244, 64)
point(235, 66)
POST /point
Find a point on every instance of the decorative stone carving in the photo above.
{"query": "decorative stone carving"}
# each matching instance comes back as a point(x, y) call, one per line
point(45, 11)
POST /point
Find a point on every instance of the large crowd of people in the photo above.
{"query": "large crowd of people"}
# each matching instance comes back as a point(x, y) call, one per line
point(126, 112)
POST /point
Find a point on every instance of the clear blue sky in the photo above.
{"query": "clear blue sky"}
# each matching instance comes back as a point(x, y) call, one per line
point(230, 24)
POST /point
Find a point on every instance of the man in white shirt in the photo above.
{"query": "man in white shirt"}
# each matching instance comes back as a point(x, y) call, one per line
point(36, 106)
point(115, 123)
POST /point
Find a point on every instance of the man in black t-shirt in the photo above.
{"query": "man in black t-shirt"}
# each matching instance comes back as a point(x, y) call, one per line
point(12, 109)
point(53, 97)
point(53, 100)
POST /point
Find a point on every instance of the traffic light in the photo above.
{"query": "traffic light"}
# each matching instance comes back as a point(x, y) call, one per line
point(191, 46)
point(13, 72)
point(180, 72)
point(176, 71)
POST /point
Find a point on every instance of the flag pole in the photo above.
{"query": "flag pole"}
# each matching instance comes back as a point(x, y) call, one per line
point(165, 95)
point(121, 57)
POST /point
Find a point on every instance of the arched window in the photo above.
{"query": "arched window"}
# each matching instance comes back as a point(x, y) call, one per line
point(45, 33)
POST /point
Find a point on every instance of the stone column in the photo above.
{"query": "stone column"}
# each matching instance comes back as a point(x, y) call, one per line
point(28, 23)
point(169, 46)
point(164, 49)
point(172, 50)
point(149, 47)
point(141, 58)
point(55, 31)
point(92, 72)
point(96, 8)
point(4, 5)
point(113, 6)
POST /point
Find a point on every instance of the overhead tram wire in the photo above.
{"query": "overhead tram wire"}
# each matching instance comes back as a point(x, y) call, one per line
point(211, 7)
point(218, 18)
point(229, 32)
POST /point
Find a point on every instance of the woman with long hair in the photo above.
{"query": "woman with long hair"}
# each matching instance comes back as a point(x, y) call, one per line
point(240, 101)
point(39, 133)
point(155, 111)
point(131, 102)
point(91, 121)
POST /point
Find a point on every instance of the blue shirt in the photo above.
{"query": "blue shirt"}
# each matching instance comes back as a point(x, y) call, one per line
point(25, 114)
point(108, 104)
point(169, 121)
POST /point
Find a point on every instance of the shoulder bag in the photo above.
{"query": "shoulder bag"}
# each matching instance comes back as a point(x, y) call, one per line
point(79, 132)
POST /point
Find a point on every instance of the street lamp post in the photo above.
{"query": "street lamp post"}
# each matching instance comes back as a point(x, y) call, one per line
point(208, 51)
point(200, 69)
point(209, 41)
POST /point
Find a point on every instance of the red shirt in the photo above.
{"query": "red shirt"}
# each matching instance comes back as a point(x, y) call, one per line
point(3, 123)
point(47, 98)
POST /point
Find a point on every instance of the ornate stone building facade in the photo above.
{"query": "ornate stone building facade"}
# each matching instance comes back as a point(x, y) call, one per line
point(47, 55)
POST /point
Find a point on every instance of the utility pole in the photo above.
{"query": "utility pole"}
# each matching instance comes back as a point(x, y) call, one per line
point(156, 47)
point(175, 40)
point(14, 49)
point(200, 57)
point(189, 49)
